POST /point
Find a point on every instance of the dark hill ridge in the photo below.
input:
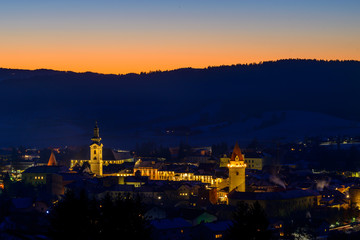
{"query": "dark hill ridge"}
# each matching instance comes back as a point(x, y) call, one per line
point(45, 107)
point(6, 73)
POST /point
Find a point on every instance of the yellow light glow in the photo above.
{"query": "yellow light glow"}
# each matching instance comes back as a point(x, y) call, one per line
point(237, 165)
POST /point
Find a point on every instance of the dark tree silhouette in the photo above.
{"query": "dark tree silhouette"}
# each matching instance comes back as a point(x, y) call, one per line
point(249, 222)
point(19, 189)
point(4, 205)
point(218, 150)
point(80, 218)
point(184, 150)
point(70, 218)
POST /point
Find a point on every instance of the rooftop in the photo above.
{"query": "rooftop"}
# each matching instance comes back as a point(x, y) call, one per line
point(44, 169)
point(170, 223)
point(287, 194)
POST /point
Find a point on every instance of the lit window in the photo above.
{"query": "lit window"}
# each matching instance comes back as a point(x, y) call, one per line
point(218, 236)
point(35, 177)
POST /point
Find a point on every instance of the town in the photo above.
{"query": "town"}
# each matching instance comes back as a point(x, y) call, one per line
point(187, 192)
point(179, 120)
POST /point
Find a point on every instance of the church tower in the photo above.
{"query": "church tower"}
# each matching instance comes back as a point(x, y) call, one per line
point(237, 170)
point(96, 160)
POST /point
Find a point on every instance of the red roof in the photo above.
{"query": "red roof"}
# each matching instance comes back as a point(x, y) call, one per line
point(237, 152)
point(52, 160)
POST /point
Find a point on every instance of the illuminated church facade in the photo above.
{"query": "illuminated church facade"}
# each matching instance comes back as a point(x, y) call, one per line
point(96, 153)
point(96, 160)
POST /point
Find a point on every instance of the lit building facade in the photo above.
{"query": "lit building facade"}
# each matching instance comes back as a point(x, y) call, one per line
point(158, 171)
point(254, 163)
point(47, 177)
point(251, 162)
point(148, 168)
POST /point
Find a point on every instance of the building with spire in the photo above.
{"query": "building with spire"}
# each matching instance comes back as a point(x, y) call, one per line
point(237, 167)
point(97, 153)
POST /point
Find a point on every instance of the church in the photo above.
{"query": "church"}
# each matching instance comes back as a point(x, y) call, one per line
point(96, 160)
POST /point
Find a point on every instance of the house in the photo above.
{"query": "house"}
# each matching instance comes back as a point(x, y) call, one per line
point(212, 231)
point(278, 203)
point(171, 229)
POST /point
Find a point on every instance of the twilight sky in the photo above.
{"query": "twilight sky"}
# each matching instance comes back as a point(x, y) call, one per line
point(113, 36)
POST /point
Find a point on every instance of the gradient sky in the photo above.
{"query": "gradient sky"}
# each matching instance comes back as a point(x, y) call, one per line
point(113, 36)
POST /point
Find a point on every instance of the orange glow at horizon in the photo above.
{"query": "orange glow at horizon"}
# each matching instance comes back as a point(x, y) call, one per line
point(142, 51)
point(122, 37)
point(135, 59)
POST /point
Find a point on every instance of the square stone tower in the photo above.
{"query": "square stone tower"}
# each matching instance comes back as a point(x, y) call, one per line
point(237, 170)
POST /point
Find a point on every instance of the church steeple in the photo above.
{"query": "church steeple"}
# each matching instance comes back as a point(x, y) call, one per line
point(96, 138)
point(96, 148)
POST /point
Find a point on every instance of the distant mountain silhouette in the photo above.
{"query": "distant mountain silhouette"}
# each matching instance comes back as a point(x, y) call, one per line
point(46, 107)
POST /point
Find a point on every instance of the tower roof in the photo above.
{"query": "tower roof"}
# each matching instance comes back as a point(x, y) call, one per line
point(52, 160)
point(96, 138)
point(96, 130)
point(237, 152)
